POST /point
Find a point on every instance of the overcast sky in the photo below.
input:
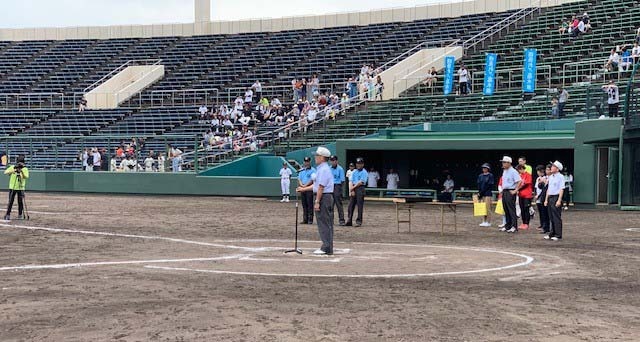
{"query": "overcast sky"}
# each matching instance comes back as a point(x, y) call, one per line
point(62, 13)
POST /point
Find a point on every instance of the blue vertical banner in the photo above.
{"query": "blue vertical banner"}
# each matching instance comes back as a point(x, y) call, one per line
point(490, 74)
point(529, 71)
point(449, 65)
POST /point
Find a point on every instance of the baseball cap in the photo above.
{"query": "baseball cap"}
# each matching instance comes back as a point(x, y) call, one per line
point(323, 152)
point(359, 161)
point(352, 164)
point(558, 165)
point(334, 158)
point(307, 159)
point(486, 166)
point(507, 159)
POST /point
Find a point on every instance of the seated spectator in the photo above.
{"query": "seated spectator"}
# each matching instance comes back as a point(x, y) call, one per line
point(257, 89)
point(215, 123)
point(579, 30)
point(248, 96)
point(203, 112)
point(564, 26)
point(276, 103)
point(82, 105)
point(555, 112)
point(613, 61)
point(244, 120)
point(635, 53)
point(587, 22)
point(238, 104)
point(226, 123)
point(626, 61)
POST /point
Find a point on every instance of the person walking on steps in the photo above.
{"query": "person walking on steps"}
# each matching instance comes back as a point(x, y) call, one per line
point(357, 183)
point(322, 190)
point(338, 183)
point(305, 179)
point(285, 182)
point(19, 174)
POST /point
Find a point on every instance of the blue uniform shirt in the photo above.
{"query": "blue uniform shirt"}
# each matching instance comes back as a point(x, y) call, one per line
point(324, 177)
point(359, 176)
point(509, 179)
point(338, 174)
point(305, 175)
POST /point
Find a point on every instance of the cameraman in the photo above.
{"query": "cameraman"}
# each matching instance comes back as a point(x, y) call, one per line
point(17, 183)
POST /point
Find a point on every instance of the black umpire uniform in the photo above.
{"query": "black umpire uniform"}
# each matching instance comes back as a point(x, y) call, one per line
point(305, 178)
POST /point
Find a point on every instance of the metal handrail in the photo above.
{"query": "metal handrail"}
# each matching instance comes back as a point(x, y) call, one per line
point(162, 93)
point(30, 98)
point(597, 62)
point(417, 65)
point(120, 68)
point(285, 88)
point(417, 47)
point(469, 43)
point(510, 71)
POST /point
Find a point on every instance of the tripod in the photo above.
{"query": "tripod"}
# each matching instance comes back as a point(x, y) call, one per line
point(24, 204)
point(295, 248)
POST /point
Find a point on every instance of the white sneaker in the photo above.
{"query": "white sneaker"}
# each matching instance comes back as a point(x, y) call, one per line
point(555, 239)
point(287, 200)
point(547, 237)
point(512, 230)
point(503, 229)
point(502, 225)
point(282, 200)
point(483, 224)
point(319, 252)
point(487, 224)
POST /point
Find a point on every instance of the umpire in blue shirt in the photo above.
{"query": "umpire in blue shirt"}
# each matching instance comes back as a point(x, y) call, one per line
point(305, 180)
point(357, 184)
point(322, 188)
point(338, 181)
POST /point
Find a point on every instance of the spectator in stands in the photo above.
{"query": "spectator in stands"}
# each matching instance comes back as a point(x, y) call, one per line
point(525, 194)
point(564, 26)
point(128, 164)
point(244, 119)
point(626, 61)
point(303, 88)
point(430, 81)
point(563, 97)
point(215, 123)
point(315, 85)
point(579, 30)
point(84, 157)
point(486, 182)
point(638, 35)
point(82, 105)
point(379, 88)
point(176, 159)
point(352, 88)
point(635, 53)
point(344, 101)
point(587, 22)
point(364, 87)
point(392, 180)
point(148, 163)
point(374, 177)
point(161, 162)
point(203, 112)
point(613, 61)
point(275, 103)
point(97, 159)
point(206, 137)
point(248, 96)
point(257, 89)
point(226, 123)
point(463, 80)
point(613, 98)
point(574, 24)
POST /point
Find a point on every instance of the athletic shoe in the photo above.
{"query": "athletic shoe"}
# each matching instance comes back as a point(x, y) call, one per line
point(348, 224)
point(358, 224)
point(503, 229)
point(502, 225)
point(521, 226)
point(524, 226)
point(287, 200)
point(485, 224)
point(319, 252)
point(565, 208)
point(282, 200)
point(555, 239)
point(342, 224)
point(547, 237)
point(512, 230)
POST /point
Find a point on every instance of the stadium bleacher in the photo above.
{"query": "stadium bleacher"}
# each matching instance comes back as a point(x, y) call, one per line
point(232, 62)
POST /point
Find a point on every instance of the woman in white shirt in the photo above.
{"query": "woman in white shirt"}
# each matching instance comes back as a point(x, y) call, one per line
point(463, 79)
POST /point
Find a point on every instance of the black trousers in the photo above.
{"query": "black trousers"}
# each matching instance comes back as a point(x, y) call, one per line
point(543, 212)
point(509, 204)
point(337, 201)
point(613, 110)
point(555, 215)
point(525, 203)
point(12, 197)
point(357, 200)
point(307, 207)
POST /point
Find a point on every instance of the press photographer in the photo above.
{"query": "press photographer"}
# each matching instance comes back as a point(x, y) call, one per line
point(17, 183)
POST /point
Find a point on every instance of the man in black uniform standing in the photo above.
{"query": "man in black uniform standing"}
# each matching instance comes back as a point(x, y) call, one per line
point(357, 184)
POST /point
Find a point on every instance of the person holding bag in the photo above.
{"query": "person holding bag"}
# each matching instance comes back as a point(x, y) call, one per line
point(486, 181)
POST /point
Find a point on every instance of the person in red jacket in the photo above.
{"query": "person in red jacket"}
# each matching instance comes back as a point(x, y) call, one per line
point(525, 194)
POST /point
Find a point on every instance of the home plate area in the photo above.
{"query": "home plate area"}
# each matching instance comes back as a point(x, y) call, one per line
point(356, 260)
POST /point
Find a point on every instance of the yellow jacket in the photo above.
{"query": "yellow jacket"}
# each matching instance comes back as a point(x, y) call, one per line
point(14, 183)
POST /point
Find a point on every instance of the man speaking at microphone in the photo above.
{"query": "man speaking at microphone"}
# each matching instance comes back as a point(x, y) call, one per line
point(323, 200)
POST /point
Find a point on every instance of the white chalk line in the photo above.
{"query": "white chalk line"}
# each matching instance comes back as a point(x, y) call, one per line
point(633, 229)
point(144, 237)
point(112, 263)
point(527, 259)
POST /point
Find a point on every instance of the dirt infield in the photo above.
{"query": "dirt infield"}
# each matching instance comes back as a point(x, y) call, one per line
point(132, 268)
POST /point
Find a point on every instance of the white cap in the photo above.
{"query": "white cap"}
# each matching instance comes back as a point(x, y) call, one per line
point(323, 151)
point(558, 165)
point(506, 159)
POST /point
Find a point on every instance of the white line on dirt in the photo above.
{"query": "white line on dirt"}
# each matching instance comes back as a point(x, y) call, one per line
point(633, 229)
point(111, 263)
